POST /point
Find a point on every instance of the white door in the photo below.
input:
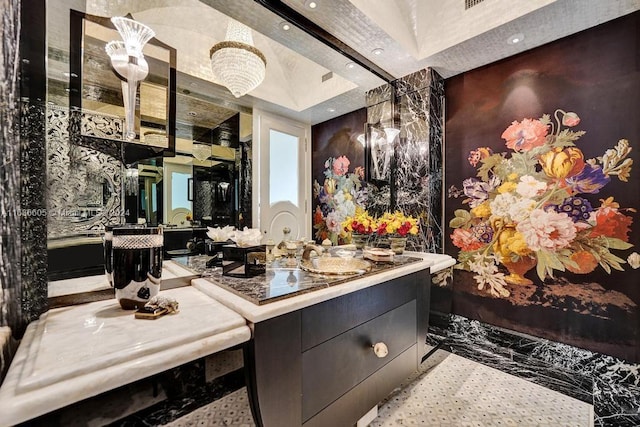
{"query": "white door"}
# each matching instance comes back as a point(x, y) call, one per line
point(177, 203)
point(282, 177)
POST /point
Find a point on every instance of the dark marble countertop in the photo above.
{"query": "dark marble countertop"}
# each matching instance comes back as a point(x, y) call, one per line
point(279, 281)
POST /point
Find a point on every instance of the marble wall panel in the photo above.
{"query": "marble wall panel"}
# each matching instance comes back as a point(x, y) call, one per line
point(245, 168)
point(379, 95)
point(415, 105)
point(610, 384)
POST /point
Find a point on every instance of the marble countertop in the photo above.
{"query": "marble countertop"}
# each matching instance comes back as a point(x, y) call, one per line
point(217, 287)
point(281, 281)
point(72, 353)
point(56, 288)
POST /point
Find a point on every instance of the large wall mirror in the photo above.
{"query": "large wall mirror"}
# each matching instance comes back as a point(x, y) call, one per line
point(188, 168)
point(204, 176)
point(97, 91)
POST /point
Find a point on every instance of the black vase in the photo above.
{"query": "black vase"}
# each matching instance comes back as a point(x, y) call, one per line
point(137, 265)
point(107, 241)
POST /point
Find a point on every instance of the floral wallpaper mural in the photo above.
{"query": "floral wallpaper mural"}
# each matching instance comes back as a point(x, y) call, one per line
point(338, 195)
point(526, 207)
point(338, 174)
point(543, 192)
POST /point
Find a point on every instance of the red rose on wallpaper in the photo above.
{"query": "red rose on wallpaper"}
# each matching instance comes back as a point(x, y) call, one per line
point(341, 166)
point(465, 240)
point(525, 135)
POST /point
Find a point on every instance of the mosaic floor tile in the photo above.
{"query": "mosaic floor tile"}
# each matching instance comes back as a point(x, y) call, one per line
point(448, 390)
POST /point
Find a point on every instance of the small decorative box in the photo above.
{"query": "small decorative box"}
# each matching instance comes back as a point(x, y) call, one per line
point(243, 261)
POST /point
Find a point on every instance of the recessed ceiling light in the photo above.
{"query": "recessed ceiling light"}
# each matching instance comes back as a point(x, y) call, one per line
point(350, 65)
point(311, 4)
point(285, 26)
point(515, 38)
point(331, 110)
point(377, 51)
point(192, 113)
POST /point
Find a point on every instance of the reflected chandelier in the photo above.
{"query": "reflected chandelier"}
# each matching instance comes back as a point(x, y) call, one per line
point(128, 61)
point(236, 63)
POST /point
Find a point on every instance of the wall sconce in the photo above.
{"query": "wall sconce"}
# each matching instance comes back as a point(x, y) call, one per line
point(236, 63)
point(224, 187)
point(381, 151)
point(128, 61)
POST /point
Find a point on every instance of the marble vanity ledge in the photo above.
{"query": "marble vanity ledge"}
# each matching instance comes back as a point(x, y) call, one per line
point(81, 290)
point(57, 365)
point(256, 313)
point(170, 270)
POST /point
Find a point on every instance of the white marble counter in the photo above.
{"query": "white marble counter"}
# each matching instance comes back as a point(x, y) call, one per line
point(256, 313)
point(76, 352)
point(56, 288)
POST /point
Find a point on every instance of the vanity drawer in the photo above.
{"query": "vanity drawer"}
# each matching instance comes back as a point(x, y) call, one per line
point(334, 367)
point(326, 320)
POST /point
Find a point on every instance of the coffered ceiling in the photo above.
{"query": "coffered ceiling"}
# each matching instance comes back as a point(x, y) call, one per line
point(411, 34)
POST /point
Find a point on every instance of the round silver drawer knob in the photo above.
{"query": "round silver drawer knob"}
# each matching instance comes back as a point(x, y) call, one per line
point(380, 349)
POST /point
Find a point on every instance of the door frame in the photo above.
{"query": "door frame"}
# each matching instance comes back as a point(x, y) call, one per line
point(259, 117)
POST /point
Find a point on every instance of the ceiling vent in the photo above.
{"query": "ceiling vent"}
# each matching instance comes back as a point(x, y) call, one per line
point(327, 76)
point(468, 4)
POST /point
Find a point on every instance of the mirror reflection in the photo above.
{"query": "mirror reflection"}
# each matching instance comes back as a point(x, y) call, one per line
point(95, 179)
point(116, 105)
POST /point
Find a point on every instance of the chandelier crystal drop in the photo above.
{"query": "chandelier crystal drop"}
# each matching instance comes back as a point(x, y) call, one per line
point(236, 63)
point(201, 151)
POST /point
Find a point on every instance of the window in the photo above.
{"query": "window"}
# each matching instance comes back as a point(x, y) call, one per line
point(283, 168)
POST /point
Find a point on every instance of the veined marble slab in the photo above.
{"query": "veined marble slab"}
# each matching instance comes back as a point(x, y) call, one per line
point(256, 313)
point(72, 353)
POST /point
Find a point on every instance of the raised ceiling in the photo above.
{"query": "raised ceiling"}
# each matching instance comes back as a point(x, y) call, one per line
point(413, 34)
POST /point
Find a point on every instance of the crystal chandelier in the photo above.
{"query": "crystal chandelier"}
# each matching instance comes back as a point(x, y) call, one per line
point(236, 63)
point(128, 61)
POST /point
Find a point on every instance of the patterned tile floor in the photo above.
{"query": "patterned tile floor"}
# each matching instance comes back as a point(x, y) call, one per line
point(448, 390)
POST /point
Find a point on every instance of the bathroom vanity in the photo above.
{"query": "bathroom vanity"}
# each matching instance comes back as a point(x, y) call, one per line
point(319, 350)
point(330, 352)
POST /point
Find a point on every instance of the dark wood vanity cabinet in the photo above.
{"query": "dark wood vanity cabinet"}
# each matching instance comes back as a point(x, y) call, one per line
point(317, 367)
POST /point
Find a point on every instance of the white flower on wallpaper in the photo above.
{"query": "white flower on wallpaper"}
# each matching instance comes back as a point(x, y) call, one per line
point(634, 260)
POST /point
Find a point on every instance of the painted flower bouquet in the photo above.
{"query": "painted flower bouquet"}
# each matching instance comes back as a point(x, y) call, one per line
point(527, 207)
point(338, 196)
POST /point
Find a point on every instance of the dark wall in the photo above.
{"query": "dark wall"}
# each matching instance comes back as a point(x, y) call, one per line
point(333, 139)
point(595, 74)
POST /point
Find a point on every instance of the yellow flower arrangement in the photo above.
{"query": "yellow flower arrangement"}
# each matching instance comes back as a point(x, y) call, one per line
point(396, 223)
point(361, 222)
